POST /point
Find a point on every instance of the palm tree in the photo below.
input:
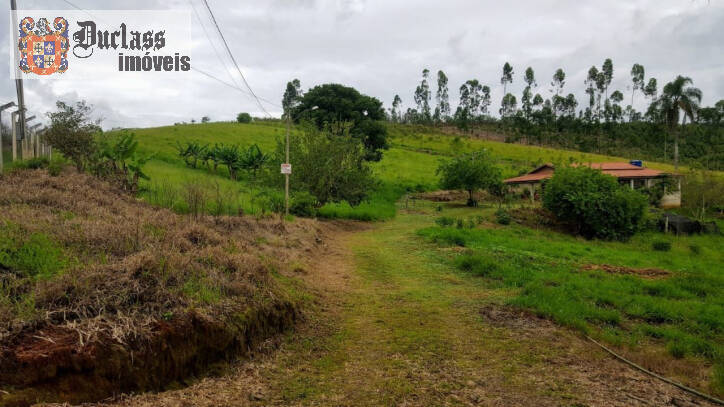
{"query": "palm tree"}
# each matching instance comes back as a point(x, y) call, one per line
point(678, 95)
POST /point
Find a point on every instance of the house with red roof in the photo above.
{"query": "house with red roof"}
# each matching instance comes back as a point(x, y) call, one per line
point(633, 174)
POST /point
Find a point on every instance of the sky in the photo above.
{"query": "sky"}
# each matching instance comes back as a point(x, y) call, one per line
point(380, 47)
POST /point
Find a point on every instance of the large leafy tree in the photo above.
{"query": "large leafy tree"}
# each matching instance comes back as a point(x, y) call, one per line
point(679, 97)
point(470, 172)
point(330, 103)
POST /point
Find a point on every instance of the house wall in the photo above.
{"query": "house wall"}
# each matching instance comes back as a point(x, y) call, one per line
point(672, 199)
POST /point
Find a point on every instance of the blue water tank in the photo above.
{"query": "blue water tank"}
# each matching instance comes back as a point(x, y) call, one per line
point(637, 163)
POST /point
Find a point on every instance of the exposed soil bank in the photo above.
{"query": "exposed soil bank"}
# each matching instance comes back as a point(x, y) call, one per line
point(101, 293)
point(51, 366)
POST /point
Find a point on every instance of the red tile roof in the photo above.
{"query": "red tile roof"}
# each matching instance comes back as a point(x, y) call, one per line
point(618, 170)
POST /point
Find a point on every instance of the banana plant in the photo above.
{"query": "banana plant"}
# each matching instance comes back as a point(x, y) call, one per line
point(231, 158)
point(253, 160)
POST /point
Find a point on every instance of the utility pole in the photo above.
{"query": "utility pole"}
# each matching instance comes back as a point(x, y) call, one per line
point(286, 176)
point(2, 131)
point(18, 76)
point(289, 169)
point(14, 125)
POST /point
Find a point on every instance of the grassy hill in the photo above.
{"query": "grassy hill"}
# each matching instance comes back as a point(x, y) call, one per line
point(409, 164)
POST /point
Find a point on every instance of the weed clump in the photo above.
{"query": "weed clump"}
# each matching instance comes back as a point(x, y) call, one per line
point(502, 217)
point(477, 264)
point(661, 246)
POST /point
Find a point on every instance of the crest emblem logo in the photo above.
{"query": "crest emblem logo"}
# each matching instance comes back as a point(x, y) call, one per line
point(43, 49)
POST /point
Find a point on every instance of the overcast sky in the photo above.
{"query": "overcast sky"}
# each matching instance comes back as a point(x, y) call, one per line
point(380, 47)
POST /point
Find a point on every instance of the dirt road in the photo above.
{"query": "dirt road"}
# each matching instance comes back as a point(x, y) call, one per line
point(391, 323)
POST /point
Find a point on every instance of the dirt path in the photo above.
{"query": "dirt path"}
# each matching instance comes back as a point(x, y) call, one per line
point(392, 324)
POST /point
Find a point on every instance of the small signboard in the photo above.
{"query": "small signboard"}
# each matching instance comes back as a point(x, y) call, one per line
point(286, 168)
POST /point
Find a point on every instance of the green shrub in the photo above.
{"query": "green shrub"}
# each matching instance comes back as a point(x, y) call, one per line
point(661, 246)
point(243, 118)
point(696, 249)
point(444, 221)
point(502, 216)
point(594, 203)
point(55, 167)
point(303, 204)
point(459, 223)
point(272, 202)
point(31, 163)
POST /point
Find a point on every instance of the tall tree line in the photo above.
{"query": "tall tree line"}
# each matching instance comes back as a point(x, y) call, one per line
point(604, 124)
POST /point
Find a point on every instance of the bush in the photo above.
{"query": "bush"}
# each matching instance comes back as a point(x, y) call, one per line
point(72, 133)
point(243, 118)
point(329, 164)
point(696, 249)
point(502, 216)
point(272, 201)
point(594, 203)
point(31, 163)
point(444, 221)
point(661, 246)
point(303, 204)
point(55, 167)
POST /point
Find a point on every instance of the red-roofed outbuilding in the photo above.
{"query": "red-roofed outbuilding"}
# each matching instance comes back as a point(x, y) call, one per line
point(637, 176)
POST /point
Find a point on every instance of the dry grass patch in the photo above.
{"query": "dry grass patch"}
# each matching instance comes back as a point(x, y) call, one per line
point(88, 273)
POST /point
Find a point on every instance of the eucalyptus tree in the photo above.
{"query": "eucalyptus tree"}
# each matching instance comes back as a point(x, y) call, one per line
point(509, 105)
point(485, 100)
point(606, 75)
point(637, 80)
point(422, 96)
point(526, 99)
point(571, 104)
point(292, 95)
point(395, 112)
point(559, 80)
point(507, 77)
point(616, 113)
point(679, 97)
point(442, 111)
point(591, 82)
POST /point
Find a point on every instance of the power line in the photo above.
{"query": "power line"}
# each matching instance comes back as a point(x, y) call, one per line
point(211, 42)
point(78, 8)
point(236, 87)
point(234, 59)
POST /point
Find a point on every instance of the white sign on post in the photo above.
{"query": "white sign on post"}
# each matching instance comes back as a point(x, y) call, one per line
point(286, 168)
